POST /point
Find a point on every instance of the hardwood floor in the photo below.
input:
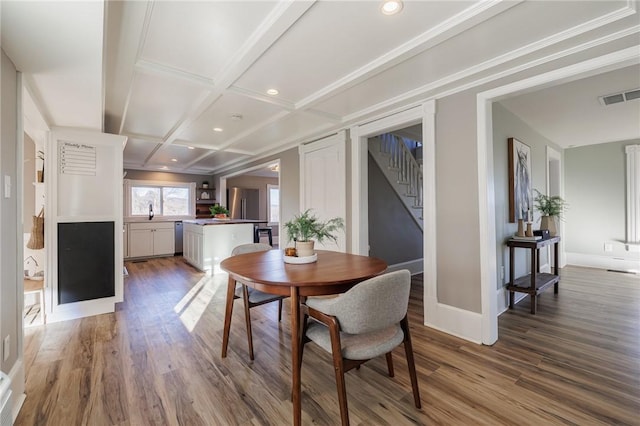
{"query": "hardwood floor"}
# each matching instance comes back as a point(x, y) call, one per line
point(156, 361)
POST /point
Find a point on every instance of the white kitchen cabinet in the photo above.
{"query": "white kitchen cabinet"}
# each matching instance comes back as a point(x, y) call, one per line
point(193, 245)
point(151, 239)
point(209, 242)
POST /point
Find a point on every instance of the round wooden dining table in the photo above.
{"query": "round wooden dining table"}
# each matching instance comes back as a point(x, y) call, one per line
point(332, 273)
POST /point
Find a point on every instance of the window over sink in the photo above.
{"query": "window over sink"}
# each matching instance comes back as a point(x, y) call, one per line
point(157, 199)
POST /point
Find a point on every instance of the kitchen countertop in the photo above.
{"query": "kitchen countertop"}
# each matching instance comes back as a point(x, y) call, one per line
point(213, 221)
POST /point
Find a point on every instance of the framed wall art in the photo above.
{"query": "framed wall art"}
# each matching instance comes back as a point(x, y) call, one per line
point(520, 197)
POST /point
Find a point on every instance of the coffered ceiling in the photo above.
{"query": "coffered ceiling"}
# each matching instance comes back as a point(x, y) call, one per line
point(167, 73)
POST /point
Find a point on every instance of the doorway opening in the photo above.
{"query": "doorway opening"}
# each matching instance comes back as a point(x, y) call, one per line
point(424, 116)
point(486, 193)
point(259, 186)
point(394, 175)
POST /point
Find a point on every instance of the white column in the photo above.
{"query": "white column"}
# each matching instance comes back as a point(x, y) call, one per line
point(633, 194)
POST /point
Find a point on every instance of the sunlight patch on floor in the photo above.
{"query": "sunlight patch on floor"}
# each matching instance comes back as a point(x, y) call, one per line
point(195, 302)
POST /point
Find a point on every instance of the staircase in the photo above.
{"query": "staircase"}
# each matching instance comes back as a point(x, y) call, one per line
point(402, 170)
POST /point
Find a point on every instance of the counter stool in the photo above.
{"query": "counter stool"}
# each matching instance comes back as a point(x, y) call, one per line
point(262, 231)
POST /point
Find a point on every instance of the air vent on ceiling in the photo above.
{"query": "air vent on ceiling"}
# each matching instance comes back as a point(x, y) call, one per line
point(616, 98)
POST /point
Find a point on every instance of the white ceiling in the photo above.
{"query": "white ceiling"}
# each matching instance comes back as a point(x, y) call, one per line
point(166, 73)
point(572, 115)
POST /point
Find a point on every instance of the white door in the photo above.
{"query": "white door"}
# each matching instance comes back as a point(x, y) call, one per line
point(323, 183)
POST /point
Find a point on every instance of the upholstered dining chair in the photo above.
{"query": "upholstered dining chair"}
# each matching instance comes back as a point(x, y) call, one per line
point(365, 322)
point(252, 297)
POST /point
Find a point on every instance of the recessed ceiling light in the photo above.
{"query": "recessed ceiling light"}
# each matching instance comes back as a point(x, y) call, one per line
point(217, 129)
point(174, 160)
point(190, 147)
point(272, 92)
point(391, 7)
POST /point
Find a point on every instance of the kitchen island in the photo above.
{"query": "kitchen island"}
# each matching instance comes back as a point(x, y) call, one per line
point(207, 242)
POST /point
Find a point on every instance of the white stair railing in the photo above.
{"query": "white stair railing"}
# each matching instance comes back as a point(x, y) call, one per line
point(408, 169)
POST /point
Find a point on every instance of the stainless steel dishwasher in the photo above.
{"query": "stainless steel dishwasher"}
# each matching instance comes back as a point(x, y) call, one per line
point(178, 237)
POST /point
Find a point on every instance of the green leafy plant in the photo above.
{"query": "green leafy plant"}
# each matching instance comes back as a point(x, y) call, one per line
point(549, 205)
point(307, 227)
point(218, 209)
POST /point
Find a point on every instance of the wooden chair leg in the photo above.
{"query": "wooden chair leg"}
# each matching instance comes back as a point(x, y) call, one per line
point(390, 364)
point(303, 336)
point(279, 310)
point(339, 371)
point(247, 319)
point(408, 348)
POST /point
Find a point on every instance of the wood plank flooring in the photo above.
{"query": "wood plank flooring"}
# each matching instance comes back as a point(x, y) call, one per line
point(156, 361)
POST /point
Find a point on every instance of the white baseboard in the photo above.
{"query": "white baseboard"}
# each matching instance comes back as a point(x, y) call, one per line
point(458, 322)
point(603, 262)
point(17, 387)
point(414, 266)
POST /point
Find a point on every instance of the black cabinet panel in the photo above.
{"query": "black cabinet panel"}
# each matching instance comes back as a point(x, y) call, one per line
point(86, 261)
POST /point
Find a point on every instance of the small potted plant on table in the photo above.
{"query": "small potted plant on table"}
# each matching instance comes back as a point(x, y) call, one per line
point(551, 207)
point(305, 228)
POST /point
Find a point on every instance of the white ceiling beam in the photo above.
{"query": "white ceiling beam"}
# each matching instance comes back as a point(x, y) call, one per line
point(227, 144)
point(281, 18)
point(145, 138)
point(420, 92)
point(288, 105)
point(141, 41)
point(149, 67)
point(468, 18)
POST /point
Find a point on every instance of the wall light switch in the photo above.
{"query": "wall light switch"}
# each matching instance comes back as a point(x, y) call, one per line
point(608, 247)
point(7, 186)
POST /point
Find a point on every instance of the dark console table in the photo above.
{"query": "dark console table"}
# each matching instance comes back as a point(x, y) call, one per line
point(535, 282)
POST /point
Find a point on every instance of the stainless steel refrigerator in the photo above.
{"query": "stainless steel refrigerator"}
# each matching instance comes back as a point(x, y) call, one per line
point(243, 203)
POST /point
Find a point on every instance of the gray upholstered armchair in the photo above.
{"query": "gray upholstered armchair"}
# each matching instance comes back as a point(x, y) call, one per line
point(365, 322)
point(252, 297)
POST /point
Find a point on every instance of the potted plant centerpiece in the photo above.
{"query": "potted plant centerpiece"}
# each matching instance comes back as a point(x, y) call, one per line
point(219, 212)
point(305, 228)
point(551, 207)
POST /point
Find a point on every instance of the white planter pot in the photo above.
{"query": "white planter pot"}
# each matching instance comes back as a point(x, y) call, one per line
point(304, 248)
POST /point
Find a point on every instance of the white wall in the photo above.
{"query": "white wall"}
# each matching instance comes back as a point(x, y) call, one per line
point(11, 236)
point(458, 235)
point(168, 177)
point(508, 125)
point(28, 177)
point(595, 190)
point(9, 249)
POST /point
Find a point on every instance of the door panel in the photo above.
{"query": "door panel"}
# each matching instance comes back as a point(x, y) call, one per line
point(323, 182)
point(163, 241)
